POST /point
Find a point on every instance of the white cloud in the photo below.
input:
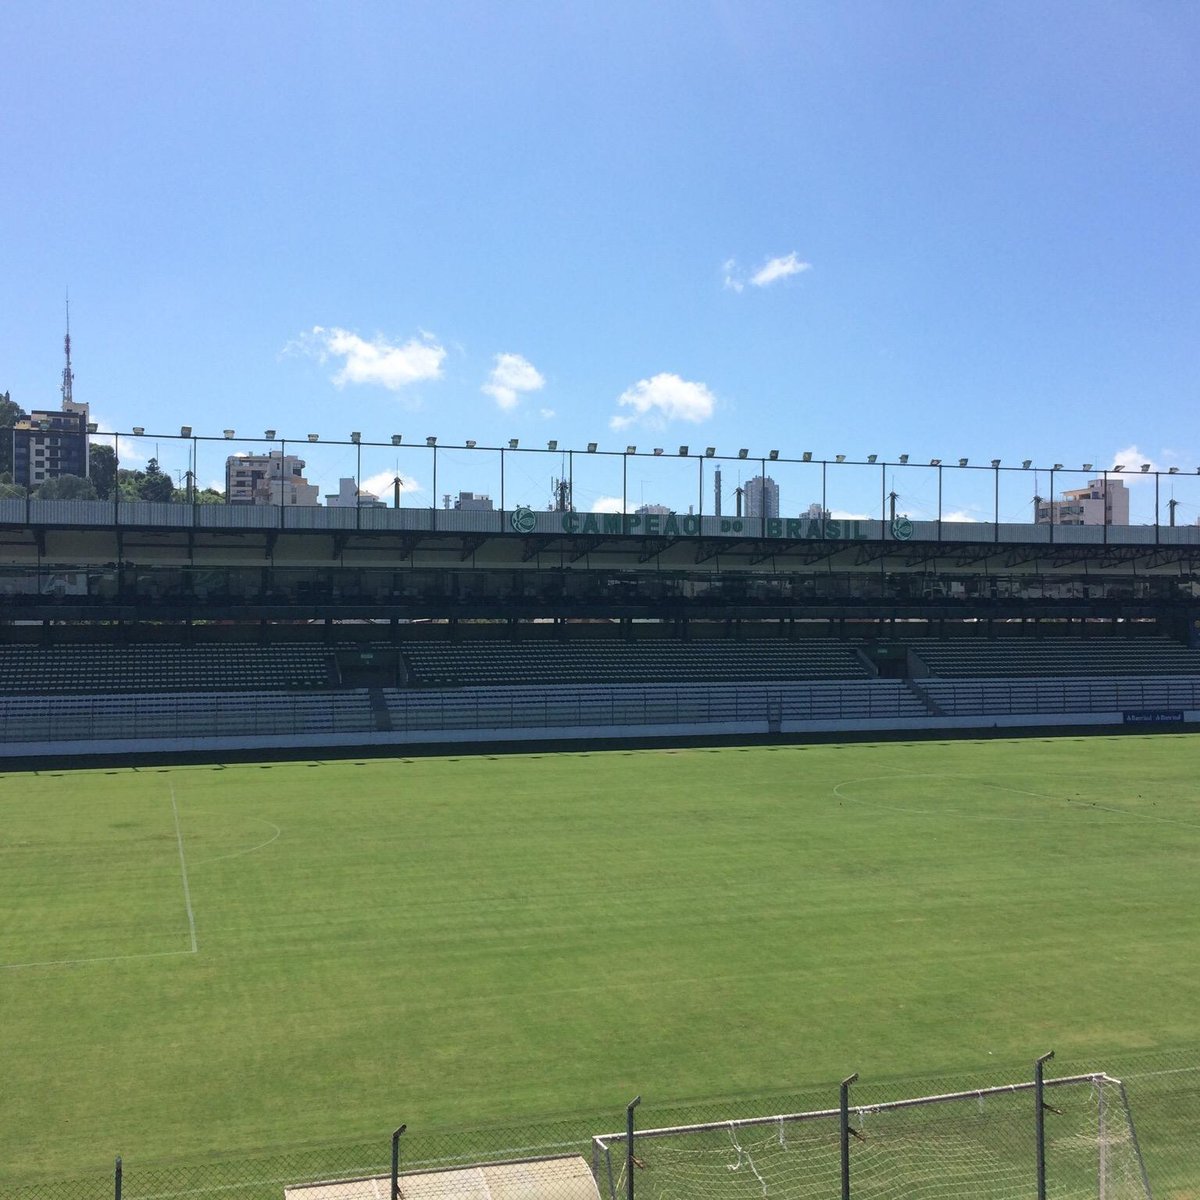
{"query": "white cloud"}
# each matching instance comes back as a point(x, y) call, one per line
point(1131, 459)
point(382, 485)
point(729, 270)
point(608, 504)
point(547, 414)
point(512, 375)
point(388, 364)
point(779, 268)
point(130, 451)
point(959, 515)
point(665, 397)
point(838, 514)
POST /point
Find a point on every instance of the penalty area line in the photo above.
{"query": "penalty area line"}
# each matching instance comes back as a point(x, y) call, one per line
point(187, 892)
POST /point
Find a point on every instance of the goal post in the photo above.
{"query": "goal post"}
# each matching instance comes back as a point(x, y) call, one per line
point(980, 1144)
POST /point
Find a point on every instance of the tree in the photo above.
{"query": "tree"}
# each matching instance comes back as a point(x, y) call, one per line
point(102, 469)
point(156, 484)
point(66, 487)
point(10, 414)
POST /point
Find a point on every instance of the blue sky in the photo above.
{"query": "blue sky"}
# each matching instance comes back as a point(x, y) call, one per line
point(944, 229)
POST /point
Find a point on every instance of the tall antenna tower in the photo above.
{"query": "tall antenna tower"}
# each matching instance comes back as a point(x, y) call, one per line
point(68, 376)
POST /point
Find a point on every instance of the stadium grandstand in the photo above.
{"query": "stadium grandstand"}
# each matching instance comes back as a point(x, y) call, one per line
point(140, 627)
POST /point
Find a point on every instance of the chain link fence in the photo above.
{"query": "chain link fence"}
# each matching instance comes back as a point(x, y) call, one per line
point(1115, 1127)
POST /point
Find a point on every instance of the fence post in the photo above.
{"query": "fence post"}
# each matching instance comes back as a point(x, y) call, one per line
point(1039, 1092)
point(845, 1132)
point(629, 1146)
point(395, 1192)
point(117, 1180)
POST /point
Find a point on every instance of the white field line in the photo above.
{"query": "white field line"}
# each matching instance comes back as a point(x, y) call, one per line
point(187, 894)
point(149, 954)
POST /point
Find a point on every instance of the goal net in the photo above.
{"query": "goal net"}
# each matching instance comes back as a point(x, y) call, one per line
point(979, 1144)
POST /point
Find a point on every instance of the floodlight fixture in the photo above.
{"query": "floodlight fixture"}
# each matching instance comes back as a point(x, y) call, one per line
point(431, 441)
point(269, 434)
point(904, 460)
point(92, 427)
point(773, 455)
point(138, 430)
point(1173, 471)
point(962, 462)
point(397, 439)
point(228, 432)
point(314, 437)
point(935, 462)
point(743, 453)
point(840, 457)
point(657, 451)
point(356, 437)
point(1026, 464)
point(630, 449)
point(872, 457)
point(995, 462)
point(1118, 468)
point(184, 430)
point(591, 447)
point(709, 451)
point(470, 443)
point(552, 444)
point(1145, 468)
point(806, 456)
point(683, 451)
point(513, 443)
point(1086, 467)
point(1057, 467)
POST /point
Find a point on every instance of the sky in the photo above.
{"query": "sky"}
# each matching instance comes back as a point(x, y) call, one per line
point(948, 230)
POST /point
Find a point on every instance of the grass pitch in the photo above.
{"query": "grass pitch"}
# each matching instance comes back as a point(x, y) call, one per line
point(233, 958)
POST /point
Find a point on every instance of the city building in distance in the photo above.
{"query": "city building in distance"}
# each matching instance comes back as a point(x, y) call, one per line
point(349, 495)
point(473, 502)
point(1102, 502)
point(760, 497)
point(274, 478)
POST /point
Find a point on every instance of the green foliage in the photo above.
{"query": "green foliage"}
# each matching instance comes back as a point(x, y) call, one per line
point(155, 484)
point(102, 469)
point(66, 487)
point(470, 939)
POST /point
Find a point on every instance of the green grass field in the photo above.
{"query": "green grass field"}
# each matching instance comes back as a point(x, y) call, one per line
point(245, 958)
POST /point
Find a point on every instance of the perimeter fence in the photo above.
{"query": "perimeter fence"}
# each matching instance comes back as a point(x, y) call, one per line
point(1120, 1126)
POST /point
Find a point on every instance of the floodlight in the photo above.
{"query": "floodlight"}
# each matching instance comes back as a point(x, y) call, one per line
point(356, 437)
point(591, 447)
point(743, 453)
point(962, 462)
point(552, 444)
point(630, 449)
point(773, 455)
point(269, 434)
point(397, 439)
point(92, 427)
point(513, 443)
point(184, 430)
point(709, 451)
point(1087, 466)
point(806, 456)
point(1173, 471)
point(1057, 467)
point(683, 451)
point(314, 437)
point(996, 462)
point(228, 432)
point(935, 462)
point(657, 451)
point(138, 430)
point(903, 460)
point(840, 457)
point(1026, 464)
point(1145, 468)
point(470, 443)
point(431, 441)
point(1119, 468)
point(872, 457)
